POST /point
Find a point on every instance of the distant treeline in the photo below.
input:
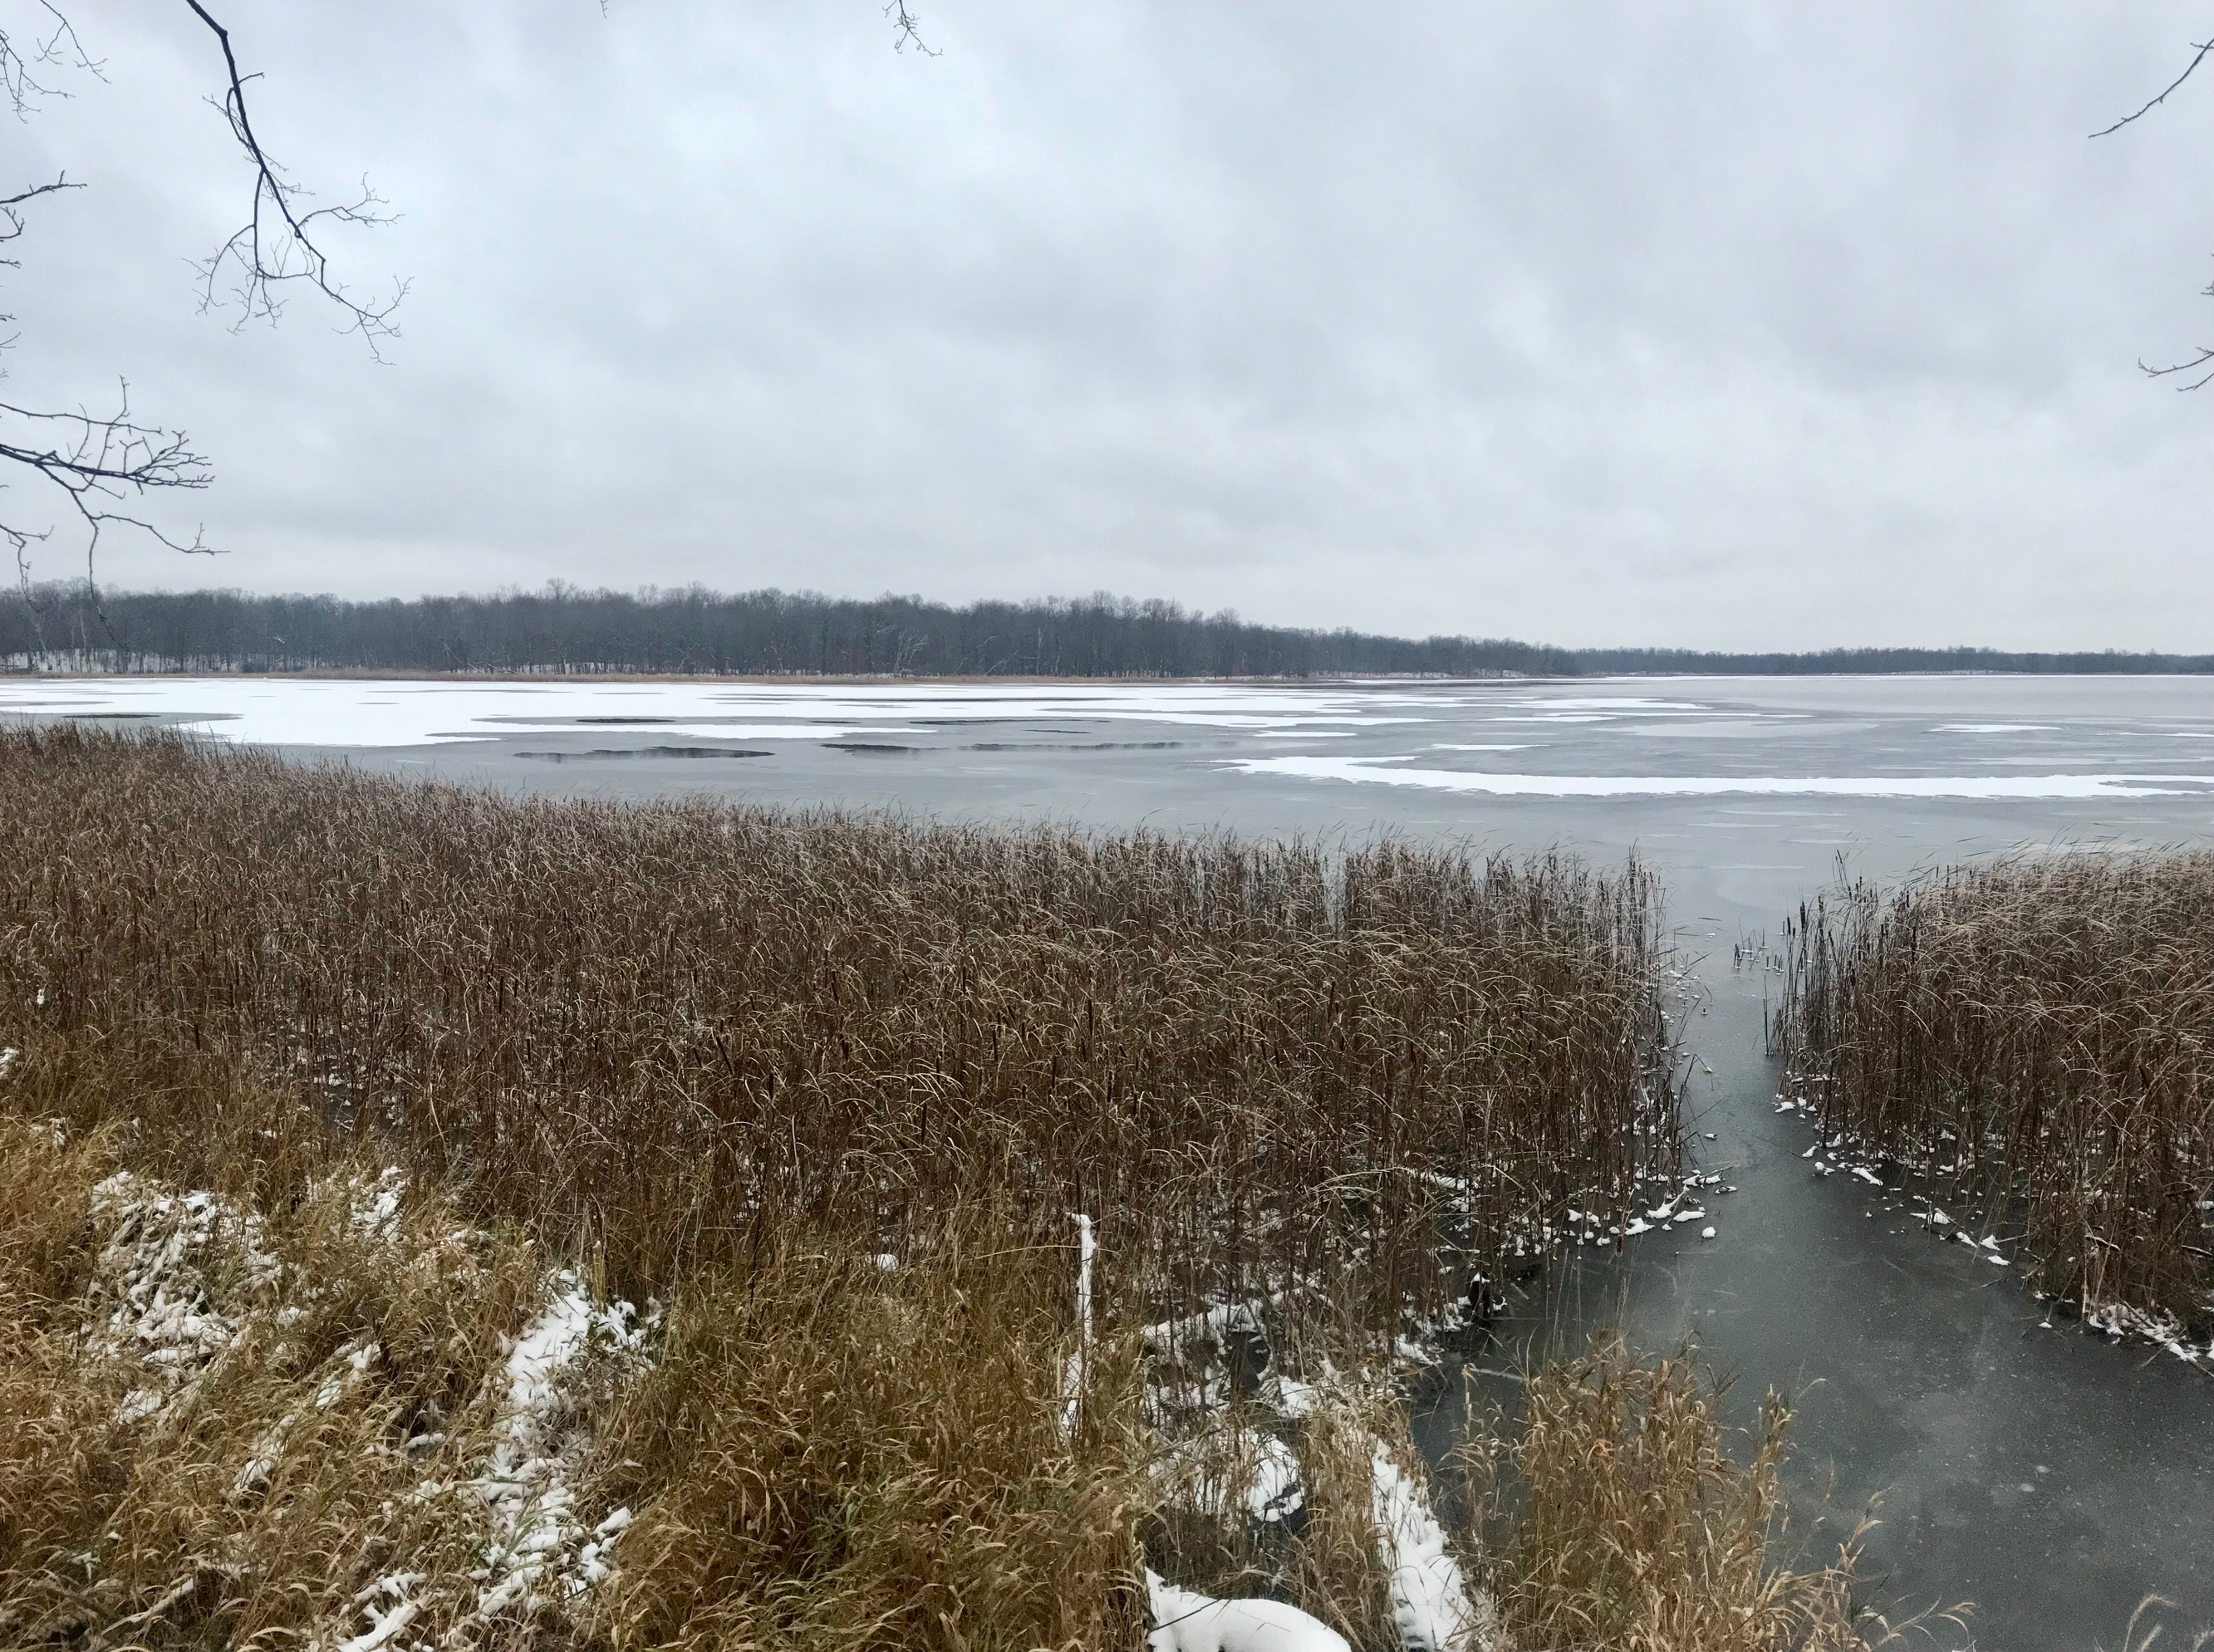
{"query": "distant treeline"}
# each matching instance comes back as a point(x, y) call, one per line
point(1691, 663)
point(561, 630)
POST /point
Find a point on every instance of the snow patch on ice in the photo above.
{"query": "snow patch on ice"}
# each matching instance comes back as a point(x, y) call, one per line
point(2015, 787)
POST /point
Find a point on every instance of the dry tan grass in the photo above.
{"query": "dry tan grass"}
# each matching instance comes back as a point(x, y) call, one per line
point(832, 1453)
point(1337, 1570)
point(825, 1451)
point(2035, 1037)
point(643, 1031)
point(273, 1483)
point(1623, 1523)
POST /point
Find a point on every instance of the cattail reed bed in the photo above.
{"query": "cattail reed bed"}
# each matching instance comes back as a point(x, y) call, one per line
point(2036, 1038)
point(342, 1115)
point(1343, 1079)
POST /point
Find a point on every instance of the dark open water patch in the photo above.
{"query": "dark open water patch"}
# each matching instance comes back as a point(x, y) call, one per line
point(620, 723)
point(863, 749)
point(615, 754)
point(1096, 746)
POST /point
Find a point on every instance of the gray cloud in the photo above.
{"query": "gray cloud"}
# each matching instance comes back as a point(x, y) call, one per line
point(1593, 323)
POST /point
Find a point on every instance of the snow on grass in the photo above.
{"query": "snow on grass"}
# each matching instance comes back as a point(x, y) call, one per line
point(2121, 1321)
point(539, 1551)
point(1434, 1609)
point(374, 1208)
point(162, 1266)
point(387, 1623)
point(535, 1551)
point(179, 1274)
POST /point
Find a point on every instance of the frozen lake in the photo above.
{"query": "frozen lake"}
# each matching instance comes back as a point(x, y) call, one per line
point(2050, 1478)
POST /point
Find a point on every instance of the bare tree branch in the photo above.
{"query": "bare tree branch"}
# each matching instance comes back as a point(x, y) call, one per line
point(98, 463)
point(275, 246)
point(2202, 363)
point(93, 461)
point(906, 28)
point(11, 225)
point(2204, 358)
point(19, 69)
point(35, 192)
point(2203, 48)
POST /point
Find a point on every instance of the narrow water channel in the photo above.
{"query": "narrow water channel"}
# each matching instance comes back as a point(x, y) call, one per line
point(2049, 1477)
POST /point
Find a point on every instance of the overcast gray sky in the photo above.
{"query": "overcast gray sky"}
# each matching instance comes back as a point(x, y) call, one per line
point(1711, 325)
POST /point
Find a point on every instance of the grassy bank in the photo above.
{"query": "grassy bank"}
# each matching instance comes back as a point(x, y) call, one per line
point(356, 1422)
point(2034, 1041)
point(346, 1120)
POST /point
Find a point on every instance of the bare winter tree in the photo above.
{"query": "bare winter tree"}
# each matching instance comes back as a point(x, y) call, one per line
point(2196, 370)
point(104, 464)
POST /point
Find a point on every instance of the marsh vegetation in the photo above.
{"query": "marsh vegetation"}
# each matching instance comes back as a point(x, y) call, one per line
point(432, 1219)
point(2032, 1043)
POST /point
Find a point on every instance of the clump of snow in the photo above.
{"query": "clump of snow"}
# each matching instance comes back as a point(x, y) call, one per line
point(1073, 1374)
point(386, 1623)
point(1432, 1608)
point(353, 1361)
point(160, 1267)
point(1251, 1469)
point(2120, 1320)
point(1185, 1620)
point(374, 1208)
point(1170, 1337)
point(8, 1059)
point(1432, 1605)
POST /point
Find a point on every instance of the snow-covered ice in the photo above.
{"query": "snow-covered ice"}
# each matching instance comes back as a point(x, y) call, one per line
point(2029, 787)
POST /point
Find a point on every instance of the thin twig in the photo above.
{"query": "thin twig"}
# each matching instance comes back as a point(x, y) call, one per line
point(2205, 47)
